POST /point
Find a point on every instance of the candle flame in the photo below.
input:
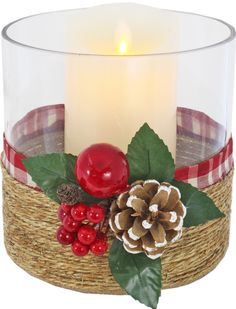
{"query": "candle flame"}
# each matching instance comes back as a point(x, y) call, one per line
point(123, 47)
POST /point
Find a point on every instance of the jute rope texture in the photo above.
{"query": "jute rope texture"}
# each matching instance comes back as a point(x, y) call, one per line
point(30, 222)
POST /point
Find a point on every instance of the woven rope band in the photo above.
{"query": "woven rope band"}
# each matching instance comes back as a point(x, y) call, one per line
point(30, 221)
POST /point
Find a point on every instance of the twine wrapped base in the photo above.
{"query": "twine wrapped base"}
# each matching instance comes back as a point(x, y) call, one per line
point(30, 222)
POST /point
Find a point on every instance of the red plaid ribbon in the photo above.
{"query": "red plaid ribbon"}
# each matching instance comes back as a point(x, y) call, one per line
point(191, 123)
point(12, 161)
point(199, 126)
point(210, 171)
point(38, 122)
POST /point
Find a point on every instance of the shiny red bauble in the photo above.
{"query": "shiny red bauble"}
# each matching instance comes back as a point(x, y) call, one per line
point(70, 224)
point(79, 212)
point(87, 234)
point(96, 214)
point(79, 249)
point(102, 170)
point(99, 247)
point(64, 237)
point(63, 210)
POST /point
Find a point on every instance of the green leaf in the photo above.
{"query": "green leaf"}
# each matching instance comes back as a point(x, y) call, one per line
point(138, 275)
point(200, 208)
point(149, 157)
point(51, 170)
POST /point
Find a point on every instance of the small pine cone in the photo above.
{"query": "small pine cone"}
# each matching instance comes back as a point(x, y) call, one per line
point(148, 217)
point(69, 194)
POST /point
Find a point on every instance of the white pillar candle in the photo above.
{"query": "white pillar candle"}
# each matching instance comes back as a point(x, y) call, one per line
point(111, 94)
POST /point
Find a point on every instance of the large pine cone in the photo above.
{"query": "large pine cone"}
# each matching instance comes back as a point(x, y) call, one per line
point(148, 217)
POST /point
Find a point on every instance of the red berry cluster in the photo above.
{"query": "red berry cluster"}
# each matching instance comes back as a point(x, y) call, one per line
point(79, 230)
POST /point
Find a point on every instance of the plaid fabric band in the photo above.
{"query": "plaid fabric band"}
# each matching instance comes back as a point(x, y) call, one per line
point(190, 123)
point(199, 126)
point(38, 122)
point(210, 171)
point(12, 161)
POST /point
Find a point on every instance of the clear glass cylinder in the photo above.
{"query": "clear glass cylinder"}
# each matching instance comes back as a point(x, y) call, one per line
point(78, 77)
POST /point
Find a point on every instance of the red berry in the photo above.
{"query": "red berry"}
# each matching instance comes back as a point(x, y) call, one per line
point(63, 210)
point(79, 249)
point(86, 234)
point(96, 213)
point(99, 247)
point(64, 237)
point(70, 224)
point(102, 170)
point(79, 212)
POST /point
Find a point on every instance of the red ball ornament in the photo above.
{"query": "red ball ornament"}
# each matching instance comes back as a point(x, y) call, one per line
point(102, 170)
point(79, 249)
point(79, 212)
point(96, 214)
point(64, 237)
point(86, 234)
point(70, 224)
point(63, 210)
point(99, 247)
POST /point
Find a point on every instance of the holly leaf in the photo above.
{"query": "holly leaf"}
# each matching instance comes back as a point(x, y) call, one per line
point(138, 275)
point(149, 157)
point(51, 170)
point(200, 208)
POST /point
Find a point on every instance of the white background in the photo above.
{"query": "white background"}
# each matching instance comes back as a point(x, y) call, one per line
point(18, 289)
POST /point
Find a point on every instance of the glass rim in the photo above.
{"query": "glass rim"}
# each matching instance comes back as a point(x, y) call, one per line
point(229, 38)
